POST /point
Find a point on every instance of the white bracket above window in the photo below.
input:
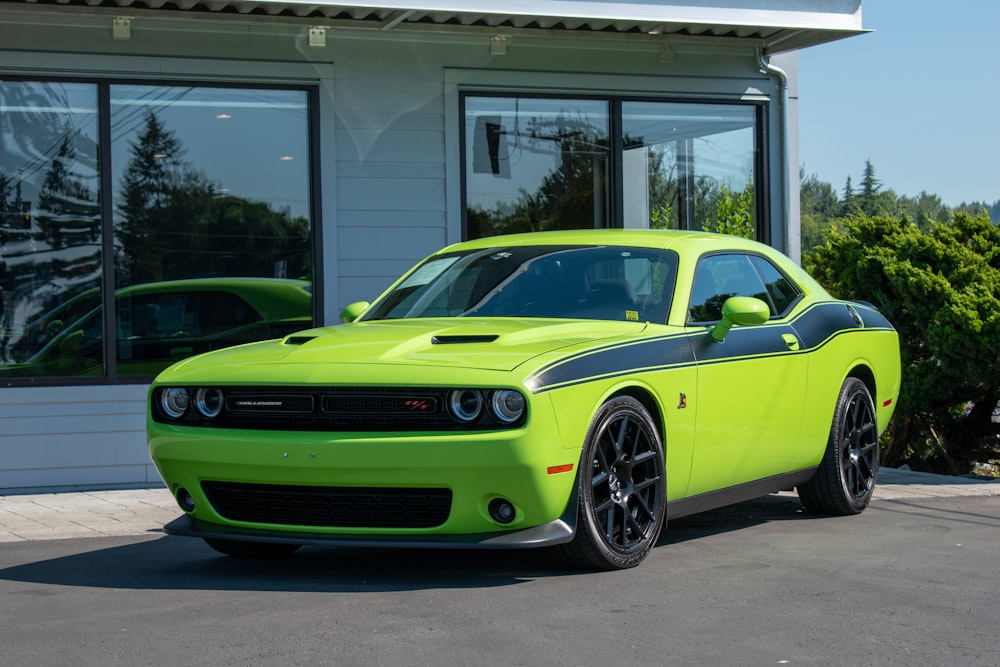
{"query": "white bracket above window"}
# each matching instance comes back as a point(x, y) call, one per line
point(317, 36)
point(121, 27)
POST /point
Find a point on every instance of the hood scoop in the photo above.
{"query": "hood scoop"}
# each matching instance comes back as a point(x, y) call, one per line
point(470, 338)
point(298, 340)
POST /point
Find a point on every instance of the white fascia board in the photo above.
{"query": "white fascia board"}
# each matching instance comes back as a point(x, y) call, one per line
point(801, 14)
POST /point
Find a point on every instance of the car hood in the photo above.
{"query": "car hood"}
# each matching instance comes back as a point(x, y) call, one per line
point(492, 344)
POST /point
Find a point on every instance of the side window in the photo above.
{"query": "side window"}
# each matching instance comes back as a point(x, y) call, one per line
point(181, 315)
point(782, 291)
point(719, 277)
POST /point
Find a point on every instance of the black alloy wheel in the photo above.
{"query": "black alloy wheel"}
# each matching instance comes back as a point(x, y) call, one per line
point(621, 487)
point(845, 480)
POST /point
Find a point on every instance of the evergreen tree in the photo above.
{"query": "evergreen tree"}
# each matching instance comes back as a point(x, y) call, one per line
point(155, 168)
point(870, 187)
point(847, 202)
point(68, 214)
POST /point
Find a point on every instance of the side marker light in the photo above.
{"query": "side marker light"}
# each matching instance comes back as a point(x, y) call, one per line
point(555, 470)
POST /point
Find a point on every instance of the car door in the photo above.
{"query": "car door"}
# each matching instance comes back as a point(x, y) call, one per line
point(750, 385)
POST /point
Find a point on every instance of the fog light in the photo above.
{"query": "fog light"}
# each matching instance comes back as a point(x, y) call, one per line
point(185, 500)
point(501, 510)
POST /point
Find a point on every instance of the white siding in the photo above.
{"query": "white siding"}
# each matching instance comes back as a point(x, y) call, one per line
point(73, 436)
point(390, 160)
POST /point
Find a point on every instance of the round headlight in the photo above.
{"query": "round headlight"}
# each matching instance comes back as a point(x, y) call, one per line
point(465, 405)
point(208, 402)
point(507, 405)
point(174, 401)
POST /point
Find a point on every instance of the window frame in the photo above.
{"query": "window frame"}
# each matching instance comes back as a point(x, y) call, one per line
point(616, 147)
point(750, 256)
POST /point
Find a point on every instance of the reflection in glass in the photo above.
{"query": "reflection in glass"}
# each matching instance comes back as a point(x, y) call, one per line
point(50, 224)
point(534, 164)
point(210, 230)
point(208, 183)
point(689, 166)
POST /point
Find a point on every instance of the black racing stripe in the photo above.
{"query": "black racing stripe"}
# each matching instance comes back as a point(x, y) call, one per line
point(822, 321)
point(872, 318)
point(654, 353)
point(742, 342)
point(813, 328)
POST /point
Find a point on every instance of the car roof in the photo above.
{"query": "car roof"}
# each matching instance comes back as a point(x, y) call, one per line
point(681, 241)
point(276, 297)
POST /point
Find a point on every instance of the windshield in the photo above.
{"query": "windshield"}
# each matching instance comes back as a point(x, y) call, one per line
point(588, 282)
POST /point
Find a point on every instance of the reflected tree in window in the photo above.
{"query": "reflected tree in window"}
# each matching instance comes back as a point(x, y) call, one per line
point(571, 195)
point(50, 250)
point(173, 222)
point(68, 213)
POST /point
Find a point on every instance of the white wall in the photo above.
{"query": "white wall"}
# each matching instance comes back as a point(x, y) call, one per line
point(390, 160)
point(73, 436)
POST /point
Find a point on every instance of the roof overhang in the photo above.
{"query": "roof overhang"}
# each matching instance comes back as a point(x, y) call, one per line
point(770, 25)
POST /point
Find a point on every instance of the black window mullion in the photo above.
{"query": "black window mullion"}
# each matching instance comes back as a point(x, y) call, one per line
point(316, 207)
point(762, 181)
point(108, 285)
point(616, 150)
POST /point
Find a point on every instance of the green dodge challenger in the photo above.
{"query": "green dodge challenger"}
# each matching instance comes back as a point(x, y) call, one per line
point(570, 390)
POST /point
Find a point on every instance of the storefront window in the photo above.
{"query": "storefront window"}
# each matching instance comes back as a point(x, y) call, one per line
point(537, 163)
point(209, 184)
point(689, 166)
point(50, 229)
point(210, 224)
point(534, 164)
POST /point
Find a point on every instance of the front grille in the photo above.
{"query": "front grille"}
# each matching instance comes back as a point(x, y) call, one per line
point(336, 409)
point(342, 507)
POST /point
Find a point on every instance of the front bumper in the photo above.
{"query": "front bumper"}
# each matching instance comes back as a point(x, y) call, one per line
point(555, 532)
point(528, 467)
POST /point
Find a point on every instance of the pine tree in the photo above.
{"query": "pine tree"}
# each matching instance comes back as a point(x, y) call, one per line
point(154, 169)
point(870, 187)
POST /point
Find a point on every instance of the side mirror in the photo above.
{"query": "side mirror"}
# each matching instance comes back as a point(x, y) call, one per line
point(353, 311)
point(742, 310)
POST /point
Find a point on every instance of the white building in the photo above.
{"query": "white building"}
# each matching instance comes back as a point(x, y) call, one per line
point(143, 142)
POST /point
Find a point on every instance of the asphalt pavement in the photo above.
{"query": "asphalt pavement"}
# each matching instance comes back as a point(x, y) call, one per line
point(70, 515)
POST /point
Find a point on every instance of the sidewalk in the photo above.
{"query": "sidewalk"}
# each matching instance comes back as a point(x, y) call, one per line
point(55, 516)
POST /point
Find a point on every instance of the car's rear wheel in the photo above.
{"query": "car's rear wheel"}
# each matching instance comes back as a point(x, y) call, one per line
point(242, 549)
point(845, 480)
point(622, 489)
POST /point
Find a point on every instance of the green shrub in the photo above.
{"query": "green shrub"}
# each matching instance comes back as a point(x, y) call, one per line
point(941, 290)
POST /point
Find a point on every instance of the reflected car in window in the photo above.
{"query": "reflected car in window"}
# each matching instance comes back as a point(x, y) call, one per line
point(160, 323)
point(570, 390)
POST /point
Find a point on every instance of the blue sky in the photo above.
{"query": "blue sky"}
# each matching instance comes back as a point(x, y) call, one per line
point(919, 97)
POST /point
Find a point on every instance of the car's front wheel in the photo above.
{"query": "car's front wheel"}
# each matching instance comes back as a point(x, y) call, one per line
point(845, 480)
point(242, 549)
point(622, 488)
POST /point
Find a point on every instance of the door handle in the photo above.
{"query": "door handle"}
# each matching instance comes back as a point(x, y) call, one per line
point(791, 341)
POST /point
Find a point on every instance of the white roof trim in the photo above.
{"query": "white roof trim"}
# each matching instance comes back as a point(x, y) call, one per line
point(771, 25)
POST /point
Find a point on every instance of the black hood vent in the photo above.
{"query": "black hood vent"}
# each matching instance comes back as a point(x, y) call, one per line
point(455, 340)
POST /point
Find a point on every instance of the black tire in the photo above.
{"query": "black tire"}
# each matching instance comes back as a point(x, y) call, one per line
point(241, 549)
point(845, 479)
point(622, 485)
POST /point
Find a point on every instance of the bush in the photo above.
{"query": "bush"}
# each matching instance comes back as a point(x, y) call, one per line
point(941, 290)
